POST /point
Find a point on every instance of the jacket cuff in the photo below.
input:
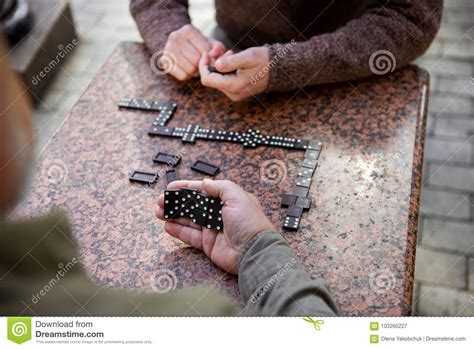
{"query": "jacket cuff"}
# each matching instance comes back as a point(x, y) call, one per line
point(290, 64)
point(281, 62)
point(157, 19)
point(265, 255)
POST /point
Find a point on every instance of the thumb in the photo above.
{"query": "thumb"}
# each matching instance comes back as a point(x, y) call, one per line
point(217, 49)
point(220, 188)
point(228, 63)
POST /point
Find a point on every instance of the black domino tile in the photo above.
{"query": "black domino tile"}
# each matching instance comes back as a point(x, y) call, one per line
point(171, 176)
point(305, 172)
point(167, 159)
point(301, 144)
point(161, 131)
point(288, 200)
point(295, 211)
point(215, 206)
point(198, 217)
point(188, 197)
point(188, 204)
point(189, 193)
point(189, 135)
point(188, 138)
point(206, 168)
point(303, 202)
point(172, 207)
point(291, 223)
point(310, 163)
point(311, 154)
point(303, 181)
point(143, 177)
point(315, 145)
point(148, 105)
point(214, 221)
point(201, 201)
point(249, 144)
point(136, 103)
point(300, 191)
point(178, 132)
point(124, 102)
point(202, 135)
point(159, 121)
point(195, 200)
point(165, 107)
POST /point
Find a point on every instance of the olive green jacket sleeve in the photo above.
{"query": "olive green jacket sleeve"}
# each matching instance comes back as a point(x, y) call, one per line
point(40, 274)
point(273, 282)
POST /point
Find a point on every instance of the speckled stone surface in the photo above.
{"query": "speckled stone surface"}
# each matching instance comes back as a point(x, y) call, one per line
point(360, 234)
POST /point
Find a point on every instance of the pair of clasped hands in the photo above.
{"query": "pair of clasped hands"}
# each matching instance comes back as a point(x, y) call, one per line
point(191, 53)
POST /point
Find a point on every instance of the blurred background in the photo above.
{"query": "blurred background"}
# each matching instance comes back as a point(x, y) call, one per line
point(444, 270)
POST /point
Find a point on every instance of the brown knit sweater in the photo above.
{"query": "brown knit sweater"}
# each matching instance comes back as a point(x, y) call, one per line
point(310, 42)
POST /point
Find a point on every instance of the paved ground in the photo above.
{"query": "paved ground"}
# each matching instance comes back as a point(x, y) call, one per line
point(444, 270)
point(445, 258)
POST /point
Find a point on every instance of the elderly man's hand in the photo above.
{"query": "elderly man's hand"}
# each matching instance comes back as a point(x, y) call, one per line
point(251, 75)
point(242, 216)
point(183, 49)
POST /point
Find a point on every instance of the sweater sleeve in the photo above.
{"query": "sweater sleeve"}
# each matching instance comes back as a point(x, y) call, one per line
point(273, 282)
point(156, 19)
point(388, 35)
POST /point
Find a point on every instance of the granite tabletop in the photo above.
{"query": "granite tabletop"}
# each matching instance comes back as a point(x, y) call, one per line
point(360, 234)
